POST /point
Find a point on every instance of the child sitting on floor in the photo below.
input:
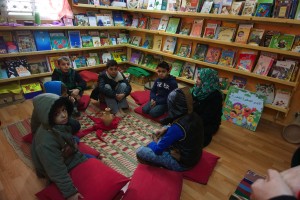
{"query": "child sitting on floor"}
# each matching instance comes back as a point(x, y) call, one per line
point(115, 88)
point(54, 150)
point(163, 85)
point(71, 78)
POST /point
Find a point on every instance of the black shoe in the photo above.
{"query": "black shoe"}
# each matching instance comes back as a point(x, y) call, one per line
point(166, 121)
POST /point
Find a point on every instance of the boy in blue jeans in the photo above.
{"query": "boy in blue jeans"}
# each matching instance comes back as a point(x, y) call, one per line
point(163, 85)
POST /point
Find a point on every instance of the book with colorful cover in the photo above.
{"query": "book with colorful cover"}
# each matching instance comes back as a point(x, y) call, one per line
point(106, 56)
point(246, 61)
point(282, 70)
point(224, 83)
point(118, 18)
point(176, 68)
point(266, 90)
point(75, 39)
point(148, 43)
point(17, 67)
point(87, 41)
point(96, 41)
point(59, 42)
point(282, 98)
point(209, 32)
point(225, 34)
point(147, 60)
point(255, 37)
point(263, 65)
point(52, 62)
point(42, 40)
point(243, 33)
point(157, 42)
point(297, 15)
point(188, 70)
point(213, 54)
point(192, 6)
point(31, 87)
point(170, 44)
point(143, 22)
point(206, 8)
point(283, 42)
point(217, 7)
point(236, 8)
point(173, 25)
point(184, 50)
point(243, 108)
point(136, 40)
point(268, 37)
point(81, 20)
point(185, 28)
point(163, 23)
point(25, 41)
point(200, 52)
point(135, 57)
point(3, 47)
point(296, 45)
point(249, 8)
point(227, 58)
point(282, 8)
point(263, 10)
point(154, 23)
point(133, 4)
point(239, 82)
point(197, 28)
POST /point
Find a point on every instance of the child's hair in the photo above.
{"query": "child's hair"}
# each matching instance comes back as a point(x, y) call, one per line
point(62, 101)
point(111, 63)
point(164, 65)
point(63, 58)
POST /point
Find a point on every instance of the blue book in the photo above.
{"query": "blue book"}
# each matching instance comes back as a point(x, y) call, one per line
point(118, 19)
point(75, 39)
point(42, 40)
point(3, 48)
point(264, 10)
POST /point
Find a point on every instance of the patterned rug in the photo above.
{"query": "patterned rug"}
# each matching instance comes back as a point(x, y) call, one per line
point(117, 147)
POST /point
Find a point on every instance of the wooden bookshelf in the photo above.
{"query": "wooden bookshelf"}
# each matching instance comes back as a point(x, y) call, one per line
point(19, 28)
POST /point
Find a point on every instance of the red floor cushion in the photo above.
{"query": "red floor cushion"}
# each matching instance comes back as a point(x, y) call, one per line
point(140, 97)
point(151, 183)
point(139, 111)
point(28, 138)
point(84, 102)
point(202, 171)
point(85, 149)
point(88, 75)
point(93, 179)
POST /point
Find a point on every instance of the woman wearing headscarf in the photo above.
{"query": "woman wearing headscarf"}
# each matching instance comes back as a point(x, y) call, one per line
point(176, 147)
point(208, 100)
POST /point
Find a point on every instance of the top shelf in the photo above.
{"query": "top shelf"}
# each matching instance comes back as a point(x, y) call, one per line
point(200, 15)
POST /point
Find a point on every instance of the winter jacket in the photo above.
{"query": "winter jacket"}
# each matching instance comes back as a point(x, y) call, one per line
point(162, 88)
point(71, 79)
point(49, 143)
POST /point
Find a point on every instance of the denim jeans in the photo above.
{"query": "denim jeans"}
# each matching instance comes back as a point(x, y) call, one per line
point(156, 111)
point(112, 103)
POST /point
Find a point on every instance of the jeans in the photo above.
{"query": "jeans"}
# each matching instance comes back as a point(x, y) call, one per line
point(156, 111)
point(112, 103)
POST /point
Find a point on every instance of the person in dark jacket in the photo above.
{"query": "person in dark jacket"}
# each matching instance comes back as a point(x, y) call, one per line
point(71, 78)
point(163, 85)
point(54, 150)
point(208, 101)
point(176, 147)
point(115, 88)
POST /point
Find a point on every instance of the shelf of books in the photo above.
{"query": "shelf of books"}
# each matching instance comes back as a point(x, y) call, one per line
point(32, 76)
point(19, 28)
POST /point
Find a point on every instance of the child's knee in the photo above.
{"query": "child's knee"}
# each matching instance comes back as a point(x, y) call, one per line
point(107, 86)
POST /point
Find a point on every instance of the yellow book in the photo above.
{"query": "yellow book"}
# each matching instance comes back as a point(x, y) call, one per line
point(157, 42)
point(243, 33)
point(31, 87)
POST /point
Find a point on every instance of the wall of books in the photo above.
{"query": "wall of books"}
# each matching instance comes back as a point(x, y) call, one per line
point(253, 44)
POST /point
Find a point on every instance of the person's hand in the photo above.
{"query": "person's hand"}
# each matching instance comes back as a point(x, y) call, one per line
point(152, 103)
point(292, 178)
point(72, 99)
point(157, 134)
point(75, 197)
point(175, 154)
point(119, 97)
point(75, 92)
point(272, 186)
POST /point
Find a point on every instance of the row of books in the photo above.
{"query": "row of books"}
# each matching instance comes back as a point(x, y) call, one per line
point(19, 67)
point(265, 64)
point(27, 41)
point(261, 8)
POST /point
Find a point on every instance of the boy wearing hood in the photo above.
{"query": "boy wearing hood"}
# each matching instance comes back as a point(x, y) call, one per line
point(54, 150)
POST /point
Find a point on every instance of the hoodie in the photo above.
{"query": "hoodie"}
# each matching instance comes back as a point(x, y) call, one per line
point(50, 141)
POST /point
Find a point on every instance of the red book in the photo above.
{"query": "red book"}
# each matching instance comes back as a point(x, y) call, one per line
point(246, 61)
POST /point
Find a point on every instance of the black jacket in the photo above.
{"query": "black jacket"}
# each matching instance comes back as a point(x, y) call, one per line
point(210, 110)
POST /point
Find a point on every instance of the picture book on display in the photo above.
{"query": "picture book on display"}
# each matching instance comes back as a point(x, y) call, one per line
point(37, 65)
point(266, 90)
point(87, 41)
point(210, 30)
point(236, 8)
point(81, 20)
point(59, 42)
point(173, 25)
point(75, 39)
point(200, 52)
point(163, 23)
point(207, 5)
point(243, 108)
point(296, 45)
point(52, 62)
point(225, 33)
point(92, 20)
point(3, 48)
point(148, 43)
point(170, 44)
point(135, 57)
point(283, 42)
point(217, 7)
point(118, 18)
point(143, 23)
point(224, 83)
point(282, 98)
point(256, 36)
point(227, 57)
point(192, 6)
point(246, 60)
point(133, 4)
point(176, 68)
point(282, 8)
point(154, 23)
point(282, 70)
point(184, 50)
point(249, 8)
point(243, 33)
point(157, 42)
point(197, 28)
point(135, 22)
point(263, 10)
point(263, 65)
point(185, 28)
point(213, 54)
point(188, 70)
point(239, 82)
point(96, 41)
point(17, 67)
point(105, 57)
point(25, 41)
point(268, 37)
point(42, 40)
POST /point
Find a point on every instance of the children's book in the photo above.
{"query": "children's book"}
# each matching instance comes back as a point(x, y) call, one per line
point(133, 4)
point(236, 8)
point(227, 57)
point(239, 82)
point(143, 22)
point(225, 34)
point(92, 20)
point(96, 41)
point(42, 40)
point(3, 48)
point(225, 10)
point(266, 90)
point(81, 20)
point(249, 8)
point(282, 8)
point(206, 8)
point(38, 65)
point(147, 60)
point(157, 42)
point(174, 5)
point(188, 70)
point(213, 55)
point(263, 65)
point(118, 18)
point(75, 39)
point(52, 62)
point(135, 57)
point(170, 44)
point(148, 43)
point(217, 7)
point(224, 83)
point(106, 56)
point(200, 52)
point(243, 33)
point(154, 23)
point(176, 68)
point(183, 5)
point(246, 60)
point(184, 50)
point(197, 28)
point(243, 108)
point(164, 4)
point(117, 56)
point(263, 10)
point(163, 23)
point(282, 70)
point(297, 15)
point(282, 98)
point(79, 62)
point(17, 67)
point(296, 45)
point(268, 37)
point(192, 6)
point(135, 22)
point(185, 28)
point(283, 42)
point(87, 41)
point(173, 25)
point(136, 40)
point(256, 36)
point(25, 41)
point(59, 42)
